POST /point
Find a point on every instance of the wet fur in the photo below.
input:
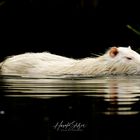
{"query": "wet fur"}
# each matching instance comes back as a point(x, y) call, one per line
point(119, 60)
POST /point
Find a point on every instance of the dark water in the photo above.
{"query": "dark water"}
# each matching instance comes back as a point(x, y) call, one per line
point(70, 107)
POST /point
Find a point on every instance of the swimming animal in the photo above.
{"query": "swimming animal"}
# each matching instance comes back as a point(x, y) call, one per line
point(117, 60)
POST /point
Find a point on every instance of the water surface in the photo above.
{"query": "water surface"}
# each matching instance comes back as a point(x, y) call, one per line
point(123, 91)
point(102, 104)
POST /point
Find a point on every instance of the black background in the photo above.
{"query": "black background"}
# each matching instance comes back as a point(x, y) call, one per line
point(73, 28)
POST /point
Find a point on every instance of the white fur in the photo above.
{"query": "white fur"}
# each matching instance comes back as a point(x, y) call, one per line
point(126, 61)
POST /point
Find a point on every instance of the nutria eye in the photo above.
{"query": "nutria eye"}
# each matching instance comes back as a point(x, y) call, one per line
point(128, 58)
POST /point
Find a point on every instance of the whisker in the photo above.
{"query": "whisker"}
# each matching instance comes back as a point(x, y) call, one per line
point(97, 55)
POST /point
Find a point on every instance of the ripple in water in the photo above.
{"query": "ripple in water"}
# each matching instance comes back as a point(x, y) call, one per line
point(121, 93)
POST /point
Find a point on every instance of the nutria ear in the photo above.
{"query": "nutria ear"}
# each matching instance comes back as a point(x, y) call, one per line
point(113, 51)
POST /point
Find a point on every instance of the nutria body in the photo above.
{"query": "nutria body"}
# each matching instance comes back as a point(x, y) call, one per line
point(121, 60)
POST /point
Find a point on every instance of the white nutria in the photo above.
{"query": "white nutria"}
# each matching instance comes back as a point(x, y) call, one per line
point(117, 60)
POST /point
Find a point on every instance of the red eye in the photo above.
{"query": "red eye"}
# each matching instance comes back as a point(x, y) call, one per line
point(128, 58)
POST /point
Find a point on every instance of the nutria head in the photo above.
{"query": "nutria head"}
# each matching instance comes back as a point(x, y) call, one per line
point(123, 60)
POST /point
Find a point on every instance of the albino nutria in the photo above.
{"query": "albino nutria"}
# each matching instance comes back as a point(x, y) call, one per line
point(117, 60)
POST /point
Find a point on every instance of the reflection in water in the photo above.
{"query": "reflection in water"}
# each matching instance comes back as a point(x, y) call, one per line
point(120, 92)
